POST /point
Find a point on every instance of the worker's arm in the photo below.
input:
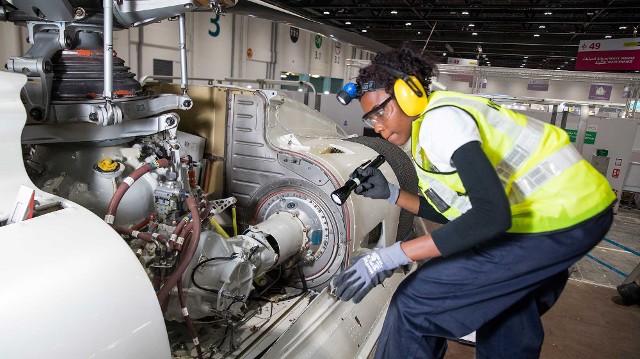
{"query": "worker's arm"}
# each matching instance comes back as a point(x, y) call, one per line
point(489, 216)
point(420, 207)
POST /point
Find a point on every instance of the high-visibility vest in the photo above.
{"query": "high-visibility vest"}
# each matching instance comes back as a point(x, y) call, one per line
point(548, 183)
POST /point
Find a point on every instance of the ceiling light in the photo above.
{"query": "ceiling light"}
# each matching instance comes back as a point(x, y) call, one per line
point(589, 13)
point(471, 25)
point(622, 28)
point(408, 24)
point(526, 57)
point(607, 37)
point(548, 13)
point(484, 55)
point(558, 68)
point(474, 34)
point(465, 13)
point(566, 62)
point(347, 23)
point(394, 12)
point(521, 65)
point(444, 54)
point(331, 36)
point(326, 13)
point(536, 35)
point(326, 92)
point(542, 27)
point(364, 30)
point(573, 59)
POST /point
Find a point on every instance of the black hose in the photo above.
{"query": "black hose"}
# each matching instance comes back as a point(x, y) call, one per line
point(193, 272)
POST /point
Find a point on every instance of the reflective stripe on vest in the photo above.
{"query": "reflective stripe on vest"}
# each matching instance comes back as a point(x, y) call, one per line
point(450, 197)
point(544, 171)
point(548, 183)
point(525, 143)
point(525, 140)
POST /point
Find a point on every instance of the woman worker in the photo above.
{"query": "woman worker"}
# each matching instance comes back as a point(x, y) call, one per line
point(519, 206)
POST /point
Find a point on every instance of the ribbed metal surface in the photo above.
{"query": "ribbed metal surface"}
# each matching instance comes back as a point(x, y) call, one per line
point(78, 75)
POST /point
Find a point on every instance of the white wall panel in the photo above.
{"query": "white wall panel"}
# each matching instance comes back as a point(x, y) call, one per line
point(259, 39)
point(292, 56)
point(320, 51)
point(212, 44)
point(339, 54)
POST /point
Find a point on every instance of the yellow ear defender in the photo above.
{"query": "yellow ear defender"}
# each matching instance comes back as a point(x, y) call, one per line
point(409, 92)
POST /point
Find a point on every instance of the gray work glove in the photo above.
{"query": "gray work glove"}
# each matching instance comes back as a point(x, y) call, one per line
point(375, 185)
point(373, 268)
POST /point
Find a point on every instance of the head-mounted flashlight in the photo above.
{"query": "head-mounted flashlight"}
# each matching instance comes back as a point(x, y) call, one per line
point(352, 91)
point(348, 93)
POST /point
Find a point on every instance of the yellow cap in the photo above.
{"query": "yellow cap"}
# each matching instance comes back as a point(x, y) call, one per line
point(107, 165)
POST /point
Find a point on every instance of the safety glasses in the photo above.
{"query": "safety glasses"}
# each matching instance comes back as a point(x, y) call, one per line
point(373, 117)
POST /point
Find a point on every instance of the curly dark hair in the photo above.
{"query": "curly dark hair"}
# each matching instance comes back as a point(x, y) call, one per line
point(403, 59)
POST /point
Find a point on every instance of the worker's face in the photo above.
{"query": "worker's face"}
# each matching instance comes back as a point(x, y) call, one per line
point(386, 117)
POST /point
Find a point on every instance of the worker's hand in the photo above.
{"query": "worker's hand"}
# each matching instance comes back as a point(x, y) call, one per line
point(373, 268)
point(376, 186)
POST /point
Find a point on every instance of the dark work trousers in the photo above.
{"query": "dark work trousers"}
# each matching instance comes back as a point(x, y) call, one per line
point(498, 289)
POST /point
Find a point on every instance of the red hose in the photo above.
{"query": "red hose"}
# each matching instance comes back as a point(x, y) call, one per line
point(145, 236)
point(124, 187)
point(188, 254)
point(142, 224)
point(184, 234)
point(187, 319)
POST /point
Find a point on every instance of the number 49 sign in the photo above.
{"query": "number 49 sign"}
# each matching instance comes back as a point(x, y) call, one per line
point(612, 54)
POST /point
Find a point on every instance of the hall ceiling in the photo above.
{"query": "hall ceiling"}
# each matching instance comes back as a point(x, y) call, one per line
point(542, 34)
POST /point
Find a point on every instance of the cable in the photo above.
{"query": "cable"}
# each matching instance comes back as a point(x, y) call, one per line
point(193, 272)
point(304, 286)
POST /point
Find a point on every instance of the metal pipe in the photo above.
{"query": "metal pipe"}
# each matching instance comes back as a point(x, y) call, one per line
point(233, 44)
point(306, 84)
point(183, 53)
point(554, 114)
point(144, 79)
point(139, 50)
point(582, 127)
point(108, 49)
point(563, 123)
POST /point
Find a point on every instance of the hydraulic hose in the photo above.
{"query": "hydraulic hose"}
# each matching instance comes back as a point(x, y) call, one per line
point(183, 236)
point(177, 230)
point(145, 236)
point(188, 254)
point(218, 228)
point(187, 319)
point(235, 222)
point(127, 183)
point(142, 224)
